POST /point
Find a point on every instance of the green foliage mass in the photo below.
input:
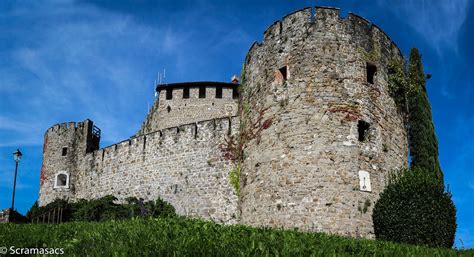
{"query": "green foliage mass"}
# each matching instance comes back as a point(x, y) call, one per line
point(408, 89)
point(104, 209)
point(415, 209)
point(398, 85)
point(178, 236)
point(422, 137)
point(234, 179)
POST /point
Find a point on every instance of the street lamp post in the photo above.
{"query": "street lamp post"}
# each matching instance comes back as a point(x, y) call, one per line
point(16, 156)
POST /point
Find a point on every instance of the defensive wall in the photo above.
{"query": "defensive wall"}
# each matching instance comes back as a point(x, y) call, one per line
point(183, 165)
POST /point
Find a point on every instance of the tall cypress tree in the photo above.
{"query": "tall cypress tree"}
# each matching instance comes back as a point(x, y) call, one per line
point(422, 137)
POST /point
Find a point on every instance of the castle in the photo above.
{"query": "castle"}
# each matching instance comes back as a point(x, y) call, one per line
point(311, 131)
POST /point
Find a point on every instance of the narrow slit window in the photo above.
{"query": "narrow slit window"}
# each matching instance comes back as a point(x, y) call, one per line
point(202, 92)
point(64, 152)
point(168, 109)
point(218, 92)
point(363, 128)
point(235, 93)
point(371, 71)
point(186, 93)
point(284, 72)
point(169, 94)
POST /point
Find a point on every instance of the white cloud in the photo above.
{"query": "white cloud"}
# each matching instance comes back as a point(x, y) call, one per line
point(438, 21)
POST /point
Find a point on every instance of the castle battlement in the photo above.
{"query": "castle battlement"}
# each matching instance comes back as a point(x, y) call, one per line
point(202, 130)
point(187, 102)
point(326, 18)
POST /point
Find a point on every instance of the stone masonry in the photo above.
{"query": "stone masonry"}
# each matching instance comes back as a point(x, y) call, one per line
point(317, 126)
point(312, 78)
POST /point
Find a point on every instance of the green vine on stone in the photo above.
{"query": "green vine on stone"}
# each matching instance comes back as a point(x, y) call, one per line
point(373, 56)
point(234, 179)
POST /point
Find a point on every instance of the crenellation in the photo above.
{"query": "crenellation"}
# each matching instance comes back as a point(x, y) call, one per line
point(327, 14)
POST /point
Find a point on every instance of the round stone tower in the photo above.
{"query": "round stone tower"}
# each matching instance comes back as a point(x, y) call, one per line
point(64, 146)
point(319, 129)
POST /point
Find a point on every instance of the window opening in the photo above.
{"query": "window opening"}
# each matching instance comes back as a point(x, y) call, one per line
point(168, 109)
point(284, 72)
point(371, 71)
point(362, 128)
point(64, 152)
point(62, 180)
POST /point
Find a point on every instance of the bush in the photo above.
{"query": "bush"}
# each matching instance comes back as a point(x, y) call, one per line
point(16, 217)
point(103, 209)
point(415, 209)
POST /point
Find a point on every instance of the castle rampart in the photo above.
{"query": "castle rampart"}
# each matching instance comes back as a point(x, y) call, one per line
point(335, 132)
point(183, 165)
point(319, 131)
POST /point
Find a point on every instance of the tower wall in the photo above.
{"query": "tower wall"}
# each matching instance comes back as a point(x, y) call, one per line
point(64, 146)
point(178, 110)
point(304, 93)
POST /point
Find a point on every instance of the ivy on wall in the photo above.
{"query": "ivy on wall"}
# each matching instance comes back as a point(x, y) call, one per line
point(407, 86)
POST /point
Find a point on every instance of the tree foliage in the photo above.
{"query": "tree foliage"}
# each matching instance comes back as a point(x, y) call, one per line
point(104, 208)
point(422, 137)
point(415, 209)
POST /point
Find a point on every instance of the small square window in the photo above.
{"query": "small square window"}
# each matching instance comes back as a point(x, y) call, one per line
point(202, 92)
point(169, 94)
point(64, 152)
point(186, 93)
point(218, 92)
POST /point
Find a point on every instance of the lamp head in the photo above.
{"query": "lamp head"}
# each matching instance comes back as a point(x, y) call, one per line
point(17, 155)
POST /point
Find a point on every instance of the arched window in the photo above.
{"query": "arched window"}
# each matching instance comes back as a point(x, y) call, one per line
point(61, 180)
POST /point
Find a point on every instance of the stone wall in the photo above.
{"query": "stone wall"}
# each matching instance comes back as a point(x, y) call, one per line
point(167, 113)
point(77, 139)
point(308, 79)
point(183, 165)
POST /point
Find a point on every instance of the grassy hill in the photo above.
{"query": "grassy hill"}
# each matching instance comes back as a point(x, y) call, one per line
point(187, 237)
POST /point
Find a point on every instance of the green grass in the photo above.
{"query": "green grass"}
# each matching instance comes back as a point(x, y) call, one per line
point(187, 237)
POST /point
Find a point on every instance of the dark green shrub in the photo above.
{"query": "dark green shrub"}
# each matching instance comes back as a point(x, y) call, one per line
point(16, 217)
point(103, 209)
point(98, 209)
point(414, 208)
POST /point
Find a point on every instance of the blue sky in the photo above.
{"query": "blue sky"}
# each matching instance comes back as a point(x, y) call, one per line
point(66, 60)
